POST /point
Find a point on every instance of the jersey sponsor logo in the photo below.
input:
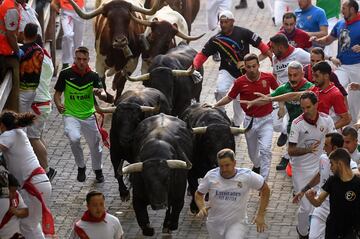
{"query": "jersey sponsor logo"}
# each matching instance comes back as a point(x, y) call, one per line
point(227, 196)
point(350, 196)
point(264, 83)
point(281, 67)
point(239, 184)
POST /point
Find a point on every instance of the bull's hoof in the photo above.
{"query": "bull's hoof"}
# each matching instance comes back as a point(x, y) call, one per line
point(125, 196)
point(174, 226)
point(193, 207)
point(148, 231)
point(166, 230)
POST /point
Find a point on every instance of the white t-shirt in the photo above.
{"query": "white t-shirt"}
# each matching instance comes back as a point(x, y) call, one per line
point(304, 135)
point(42, 91)
point(325, 172)
point(228, 197)
point(280, 66)
point(19, 155)
point(13, 226)
point(356, 156)
point(28, 15)
point(110, 228)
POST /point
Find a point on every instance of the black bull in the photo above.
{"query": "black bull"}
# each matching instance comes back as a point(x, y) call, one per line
point(212, 132)
point(163, 151)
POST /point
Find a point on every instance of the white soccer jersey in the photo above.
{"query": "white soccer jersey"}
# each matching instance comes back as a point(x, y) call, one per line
point(280, 66)
point(228, 197)
point(110, 228)
point(356, 156)
point(304, 135)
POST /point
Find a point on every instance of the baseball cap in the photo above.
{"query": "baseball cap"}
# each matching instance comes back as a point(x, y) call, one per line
point(226, 14)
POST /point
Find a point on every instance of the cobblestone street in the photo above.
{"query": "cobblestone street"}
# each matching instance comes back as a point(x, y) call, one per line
point(68, 197)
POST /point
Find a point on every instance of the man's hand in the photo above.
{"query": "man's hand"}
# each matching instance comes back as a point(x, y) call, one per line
point(60, 108)
point(203, 212)
point(356, 48)
point(297, 197)
point(335, 61)
point(310, 194)
point(260, 223)
point(354, 86)
point(281, 112)
point(206, 105)
point(314, 147)
point(240, 65)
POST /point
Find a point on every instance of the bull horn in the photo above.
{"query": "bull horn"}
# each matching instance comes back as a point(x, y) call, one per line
point(106, 109)
point(179, 73)
point(178, 164)
point(199, 130)
point(140, 21)
point(236, 130)
point(149, 109)
point(187, 37)
point(143, 77)
point(157, 5)
point(86, 15)
point(133, 168)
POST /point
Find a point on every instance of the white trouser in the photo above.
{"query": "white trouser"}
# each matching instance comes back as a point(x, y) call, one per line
point(281, 7)
point(88, 127)
point(317, 228)
point(223, 85)
point(331, 50)
point(346, 75)
point(300, 178)
point(259, 141)
point(26, 98)
point(270, 4)
point(237, 230)
point(213, 8)
point(73, 28)
point(31, 225)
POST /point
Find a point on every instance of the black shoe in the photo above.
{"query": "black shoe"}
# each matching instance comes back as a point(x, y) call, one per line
point(256, 170)
point(216, 57)
point(51, 174)
point(242, 4)
point(273, 20)
point(260, 4)
point(283, 163)
point(81, 174)
point(282, 140)
point(99, 176)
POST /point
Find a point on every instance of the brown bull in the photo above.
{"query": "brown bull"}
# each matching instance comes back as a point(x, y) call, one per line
point(117, 41)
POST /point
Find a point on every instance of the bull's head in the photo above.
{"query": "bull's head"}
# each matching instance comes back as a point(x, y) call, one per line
point(117, 13)
point(160, 36)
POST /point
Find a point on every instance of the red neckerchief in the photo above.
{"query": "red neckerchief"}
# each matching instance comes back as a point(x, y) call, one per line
point(8, 215)
point(287, 53)
point(290, 35)
point(310, 121)
point(77, 70)
point(357, 18)
point(47, 218)
point(299, 85)
point(87, 217)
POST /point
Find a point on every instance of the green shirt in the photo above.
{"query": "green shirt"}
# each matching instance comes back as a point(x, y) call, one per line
point(292, 107)
point(78, 92)
point(331, 7)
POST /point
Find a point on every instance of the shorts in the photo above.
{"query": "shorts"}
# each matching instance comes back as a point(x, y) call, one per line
point(36, 129)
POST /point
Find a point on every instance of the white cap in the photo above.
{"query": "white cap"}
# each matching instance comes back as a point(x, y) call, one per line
point(226, 14)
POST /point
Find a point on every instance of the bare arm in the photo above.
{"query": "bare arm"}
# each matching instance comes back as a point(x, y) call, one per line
point(344, 120)
point(225, 100)
point(313, 182)
point(326, 40)
point(200, 202)
point(297, 151)
point(288, 96)
point(316, 201)
point(57, 100)
point(322, 33)
point(264, 201)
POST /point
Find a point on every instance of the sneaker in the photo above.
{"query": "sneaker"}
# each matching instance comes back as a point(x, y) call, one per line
point(282, 140)
point(283, 163)
point(99, 176)
point(242, 4)
point(216, 57)
point(51, 174)
point(256, 170)
point(260, 4)
point(81, 174)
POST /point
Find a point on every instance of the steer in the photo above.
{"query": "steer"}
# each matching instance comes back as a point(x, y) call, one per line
point(163, 153)
point(212, 132)
point(133, 106)
point(117, 41)
point(167, 73)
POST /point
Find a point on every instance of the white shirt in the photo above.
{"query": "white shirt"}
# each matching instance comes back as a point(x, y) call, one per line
point(110, 228)
point(325, 172)
point(47, 70)
point(28, 15)
point(356, 156)
point(280, 66)
point(304, 135)
point(228, 197)
point(13, 226)
point(19, 155)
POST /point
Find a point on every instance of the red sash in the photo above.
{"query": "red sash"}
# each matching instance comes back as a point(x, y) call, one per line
point(104, 134)
point(47, 219)
point(87, 218)
point(8, 214)
point(35, 106)
point(80, 232)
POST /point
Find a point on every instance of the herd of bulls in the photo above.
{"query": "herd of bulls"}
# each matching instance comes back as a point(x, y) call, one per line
point(167, 141)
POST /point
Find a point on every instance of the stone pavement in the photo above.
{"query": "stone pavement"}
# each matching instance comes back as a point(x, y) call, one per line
point(68, 198)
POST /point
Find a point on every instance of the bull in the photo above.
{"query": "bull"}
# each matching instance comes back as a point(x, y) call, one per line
point(212, 132)
point(132, 107)
point(117, 41)
point(167, 74)
point(163, 153)
point(187, 8)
